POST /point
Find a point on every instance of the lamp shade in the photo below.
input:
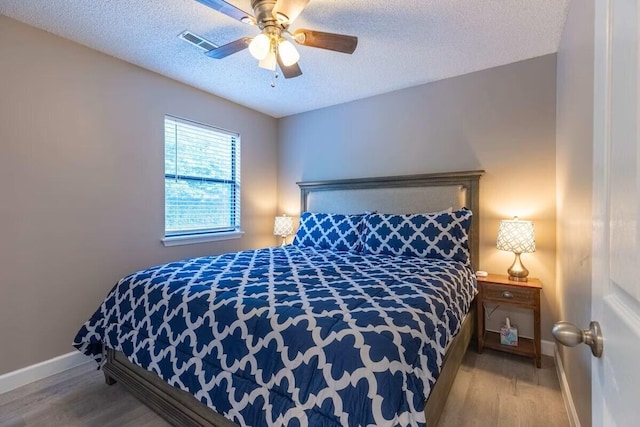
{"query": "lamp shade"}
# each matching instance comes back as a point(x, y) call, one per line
point(283, 226)
point(288, 53)
point(269, 61)
point(260, 46)
point(516, 236)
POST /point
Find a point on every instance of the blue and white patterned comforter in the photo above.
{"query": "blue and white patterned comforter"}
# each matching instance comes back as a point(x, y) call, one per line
point(293, 335)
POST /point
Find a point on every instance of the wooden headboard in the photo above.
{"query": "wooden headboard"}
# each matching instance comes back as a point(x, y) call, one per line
point(399, 194)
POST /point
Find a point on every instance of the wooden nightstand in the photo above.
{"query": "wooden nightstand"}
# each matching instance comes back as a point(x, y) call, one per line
point(498, 289)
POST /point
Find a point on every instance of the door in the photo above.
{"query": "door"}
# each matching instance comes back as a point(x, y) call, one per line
point(616, 248)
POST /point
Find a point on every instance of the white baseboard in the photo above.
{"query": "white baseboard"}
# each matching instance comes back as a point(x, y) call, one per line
point(574, 421)
point(29, 374)
point(548, 348)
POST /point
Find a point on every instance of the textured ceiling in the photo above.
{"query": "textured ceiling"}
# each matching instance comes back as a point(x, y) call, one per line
point(402, 43)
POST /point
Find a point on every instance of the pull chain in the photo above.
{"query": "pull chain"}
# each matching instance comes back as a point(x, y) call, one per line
point(275, 70)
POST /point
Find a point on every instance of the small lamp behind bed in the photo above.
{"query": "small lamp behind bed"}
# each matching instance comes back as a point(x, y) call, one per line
point(283, 227)
point(518, 237)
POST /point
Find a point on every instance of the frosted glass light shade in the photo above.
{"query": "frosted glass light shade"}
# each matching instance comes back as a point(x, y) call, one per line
point(269, 61)
point(283, 226)
point(516, 236)
point(288, 53)
point(260, 46)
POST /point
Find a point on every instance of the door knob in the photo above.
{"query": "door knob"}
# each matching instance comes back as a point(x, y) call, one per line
point(570, 335)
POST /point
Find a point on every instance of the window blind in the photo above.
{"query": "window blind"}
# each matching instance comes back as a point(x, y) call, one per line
point(202, 178)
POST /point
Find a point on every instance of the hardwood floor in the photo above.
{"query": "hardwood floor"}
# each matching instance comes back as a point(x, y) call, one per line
point(504, 390)
point(491, 389)
point(77, 397)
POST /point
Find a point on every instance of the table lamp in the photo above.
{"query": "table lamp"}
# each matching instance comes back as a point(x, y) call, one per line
point(283, 227)
point(518, 237)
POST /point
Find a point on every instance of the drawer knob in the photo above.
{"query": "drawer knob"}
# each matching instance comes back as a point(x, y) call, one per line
point(507, 294)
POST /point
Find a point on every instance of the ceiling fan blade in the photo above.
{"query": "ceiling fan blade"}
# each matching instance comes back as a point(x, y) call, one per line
point(229, 48)
point(291, 71)
point(286, 11)
point(229, 10)
point(330, 41)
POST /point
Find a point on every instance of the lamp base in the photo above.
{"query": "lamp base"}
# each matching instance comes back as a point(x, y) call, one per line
point(517, 271)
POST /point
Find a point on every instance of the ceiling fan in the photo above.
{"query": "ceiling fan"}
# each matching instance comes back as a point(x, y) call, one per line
point(274, 17)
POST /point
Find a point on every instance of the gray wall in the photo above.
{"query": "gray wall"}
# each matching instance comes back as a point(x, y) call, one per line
point(81, 179)
point(501, 120)
point(574, 161)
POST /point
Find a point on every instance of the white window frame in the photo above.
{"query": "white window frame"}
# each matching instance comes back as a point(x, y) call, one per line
point(183, 237)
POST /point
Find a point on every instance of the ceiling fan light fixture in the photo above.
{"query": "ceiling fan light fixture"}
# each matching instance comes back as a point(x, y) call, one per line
point(273, 18)
point(269, 61)
point(260, 46)
point(288, 53)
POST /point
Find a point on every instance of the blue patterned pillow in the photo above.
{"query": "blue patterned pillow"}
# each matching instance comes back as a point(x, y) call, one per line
point(330, 231)
point(437, 235)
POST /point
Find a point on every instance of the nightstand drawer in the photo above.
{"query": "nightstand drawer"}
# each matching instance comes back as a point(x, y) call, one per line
point(508, 294)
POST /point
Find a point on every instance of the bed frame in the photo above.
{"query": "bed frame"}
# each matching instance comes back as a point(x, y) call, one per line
point(417, 193)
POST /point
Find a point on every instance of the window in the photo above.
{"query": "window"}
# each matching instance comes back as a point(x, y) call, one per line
point(201, 182)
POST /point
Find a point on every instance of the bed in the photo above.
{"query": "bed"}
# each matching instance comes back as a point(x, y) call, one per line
point(341, 301)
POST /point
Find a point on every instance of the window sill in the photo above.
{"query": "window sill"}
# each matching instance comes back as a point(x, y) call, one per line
point(201, 238)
